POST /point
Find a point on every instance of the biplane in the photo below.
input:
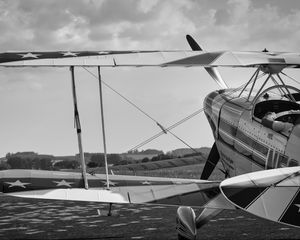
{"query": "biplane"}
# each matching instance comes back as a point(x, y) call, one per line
point(256, 128)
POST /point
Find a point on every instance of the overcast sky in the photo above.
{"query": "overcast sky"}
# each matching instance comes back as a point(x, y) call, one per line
point(36, 104)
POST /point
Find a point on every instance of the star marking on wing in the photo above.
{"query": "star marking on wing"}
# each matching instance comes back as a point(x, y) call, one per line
point(30, 55)
point(146, 182)
point(17, 183)
point(63, 183)
point(110, 183)
point(66, 54)
point(101, 53)
point(298, 205)
point(178, 183)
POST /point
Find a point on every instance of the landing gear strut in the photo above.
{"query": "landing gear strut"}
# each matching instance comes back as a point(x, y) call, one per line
point(187, 223)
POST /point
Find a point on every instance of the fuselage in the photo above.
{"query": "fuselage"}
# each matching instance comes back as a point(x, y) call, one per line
point(244, 143)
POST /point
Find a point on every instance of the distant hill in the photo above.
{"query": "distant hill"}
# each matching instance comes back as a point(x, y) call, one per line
point(139, 155)
point(32, 159)
point(180, 152)
point(150, 166)
point(147, 151)
point(186, 157)
point(31, 155)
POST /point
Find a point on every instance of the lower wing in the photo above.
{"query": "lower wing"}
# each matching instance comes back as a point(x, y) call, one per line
point(123, 189)
point(271, 194)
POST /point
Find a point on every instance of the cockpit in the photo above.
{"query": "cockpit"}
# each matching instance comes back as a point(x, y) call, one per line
point(277, 108)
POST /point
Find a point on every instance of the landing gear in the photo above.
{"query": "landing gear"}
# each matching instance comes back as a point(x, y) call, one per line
point(182, 237)
point(106, 213)
point(109, 210)
point(186, 223)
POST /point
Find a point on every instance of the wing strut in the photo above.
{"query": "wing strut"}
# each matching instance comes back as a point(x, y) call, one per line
point(78, 128)
point(103, 129)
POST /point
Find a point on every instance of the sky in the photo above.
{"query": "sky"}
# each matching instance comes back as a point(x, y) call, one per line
point(36, 108)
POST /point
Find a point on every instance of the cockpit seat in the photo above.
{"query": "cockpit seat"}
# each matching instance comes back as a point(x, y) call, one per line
point(277, 106)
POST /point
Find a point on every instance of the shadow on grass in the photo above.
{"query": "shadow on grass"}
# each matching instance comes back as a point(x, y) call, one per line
point(79, 238)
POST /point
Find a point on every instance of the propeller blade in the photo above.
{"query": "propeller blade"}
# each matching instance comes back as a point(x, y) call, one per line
point(211, 162)
point(193, 44)
point(212, 71)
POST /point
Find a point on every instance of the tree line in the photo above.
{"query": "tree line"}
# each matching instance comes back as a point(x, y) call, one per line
point(40, 163)
point(97, 160)
point(15, 161)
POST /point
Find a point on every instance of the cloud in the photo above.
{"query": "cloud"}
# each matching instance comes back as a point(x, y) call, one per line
point(222, 17)
point(132, 24)
point(87, 24)
point(144, 24)
point(146, 5)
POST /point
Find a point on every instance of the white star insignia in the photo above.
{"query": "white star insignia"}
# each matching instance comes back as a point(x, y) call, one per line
point(110, 183)
point(298, 205)
point(65, 54)
point(178, 183)
point(63, 183)
point(17, 183)
point(101, 53)
point(146, 183)
point(30, 55)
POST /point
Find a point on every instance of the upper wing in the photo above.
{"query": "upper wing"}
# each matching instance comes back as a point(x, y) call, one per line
point(147, 58)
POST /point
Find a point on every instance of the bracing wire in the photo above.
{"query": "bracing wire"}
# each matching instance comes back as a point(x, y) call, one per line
point(167, 130)
point(164, 130)
point(178, 123)
point(186, 118)
point(293, 79)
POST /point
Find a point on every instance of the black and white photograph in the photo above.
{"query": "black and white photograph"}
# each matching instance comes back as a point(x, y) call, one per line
point(149, 119)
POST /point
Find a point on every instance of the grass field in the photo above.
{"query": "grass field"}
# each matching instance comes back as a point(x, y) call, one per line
point(189, 171)
point(44, 219)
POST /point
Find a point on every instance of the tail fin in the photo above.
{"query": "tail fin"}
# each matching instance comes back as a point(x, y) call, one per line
point(212, 71)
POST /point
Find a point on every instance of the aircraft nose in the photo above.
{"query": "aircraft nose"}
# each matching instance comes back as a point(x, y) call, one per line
point(208, 101)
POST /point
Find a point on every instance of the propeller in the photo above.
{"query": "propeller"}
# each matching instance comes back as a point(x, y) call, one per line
point(193, 44)
point(213, 157)
point(211, 162)
point(212, 71)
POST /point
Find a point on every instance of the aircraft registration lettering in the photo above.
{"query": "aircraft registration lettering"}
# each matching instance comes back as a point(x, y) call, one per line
point(270, 136)
point(227, 160)
point(258, 151)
